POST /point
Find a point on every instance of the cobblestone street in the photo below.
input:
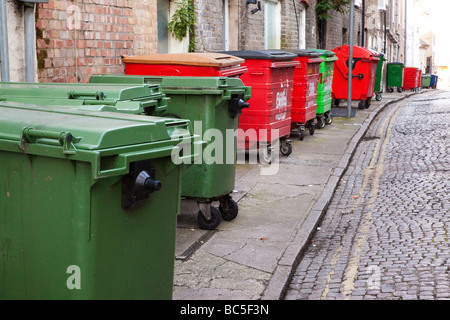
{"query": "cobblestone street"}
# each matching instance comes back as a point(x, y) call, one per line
point(385, 234)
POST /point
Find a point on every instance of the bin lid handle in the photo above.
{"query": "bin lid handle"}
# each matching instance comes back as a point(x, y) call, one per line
point(65, 139)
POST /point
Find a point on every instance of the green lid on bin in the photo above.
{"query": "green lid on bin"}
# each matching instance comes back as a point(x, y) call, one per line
point(323, 52)
point(136, 99)
point(88, 130)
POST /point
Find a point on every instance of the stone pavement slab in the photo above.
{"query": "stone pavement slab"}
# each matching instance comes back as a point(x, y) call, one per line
point(253, 256)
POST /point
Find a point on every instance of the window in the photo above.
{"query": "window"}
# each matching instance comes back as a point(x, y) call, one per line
point(163, 31)
point(382, 4)
point(272, 24)
point(302, 30)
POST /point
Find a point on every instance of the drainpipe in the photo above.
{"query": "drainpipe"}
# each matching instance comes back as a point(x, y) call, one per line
point(29, 41)
point(385, 32)
point(4, 51)
point(363, 37)
point(350, 59)
point(406, 32)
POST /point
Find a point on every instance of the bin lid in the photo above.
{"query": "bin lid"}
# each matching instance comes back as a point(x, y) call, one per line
point(275, 55)
point(323, 52)
point(358, 52)
point(205, 59)
point(182, 85)
point(136, 99)
point(90, 130)
point(305, 53)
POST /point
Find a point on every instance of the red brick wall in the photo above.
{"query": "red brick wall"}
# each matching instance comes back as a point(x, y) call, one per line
point(80, 38)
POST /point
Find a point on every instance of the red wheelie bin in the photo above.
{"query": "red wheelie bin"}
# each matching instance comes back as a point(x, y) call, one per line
point(304, 100)
point(411, 78)
point(192, 64)
point(271, 76)
point(364, 69)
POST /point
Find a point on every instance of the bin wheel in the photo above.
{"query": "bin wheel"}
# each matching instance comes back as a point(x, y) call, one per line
point(211, 224)
point(228, 208)
point(337, 102)
point(312, 128)
point(367, 103)
point(267, 154)
point(378, 97)
point(320, 122)
point(285, 148)
point(361, 105)
point(399, 90)
point(301, 132)
point(390, 90)
point(328, 118)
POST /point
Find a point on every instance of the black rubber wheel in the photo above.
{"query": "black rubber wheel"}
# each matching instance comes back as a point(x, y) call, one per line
point(301, 133)
point(312, 129)
point(213, 223)
point(328, 118)
point(337, 102)
point(267, 155)
point(320, 122)
point(286, 150)
point(228, 209)
point(378, 97)
point(390, 90)
point(361, 105)
point(399, 90)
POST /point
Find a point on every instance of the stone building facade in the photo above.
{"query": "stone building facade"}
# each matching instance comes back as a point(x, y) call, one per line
point(251, 25)
point(79, 38)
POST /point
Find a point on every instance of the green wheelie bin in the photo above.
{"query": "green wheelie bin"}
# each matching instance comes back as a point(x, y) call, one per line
point(324, 100)
point(213, 105)
point(426, 81)
point(395, 76)
point(378, 88)
point(88, 203)
point(138, 99)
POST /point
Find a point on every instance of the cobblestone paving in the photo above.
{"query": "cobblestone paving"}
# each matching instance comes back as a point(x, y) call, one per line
point(385, 234)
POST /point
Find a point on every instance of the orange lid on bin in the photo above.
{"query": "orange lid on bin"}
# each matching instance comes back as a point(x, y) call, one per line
point(206, 59)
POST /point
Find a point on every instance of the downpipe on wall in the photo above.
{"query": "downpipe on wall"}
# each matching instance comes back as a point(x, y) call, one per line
point(30, 28)
point(4, 50)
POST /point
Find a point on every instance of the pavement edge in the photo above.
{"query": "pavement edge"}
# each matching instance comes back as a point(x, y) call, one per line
point(290, 259)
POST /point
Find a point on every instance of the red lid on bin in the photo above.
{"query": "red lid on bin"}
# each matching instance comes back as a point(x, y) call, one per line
point(358, 52)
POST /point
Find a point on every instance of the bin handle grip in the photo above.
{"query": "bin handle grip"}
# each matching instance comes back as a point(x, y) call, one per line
point(126, 158)
point(65, 139)
point(98, 95)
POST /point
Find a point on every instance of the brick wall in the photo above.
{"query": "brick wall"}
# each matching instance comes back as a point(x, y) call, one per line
point(248, 27)
point(208, 30)
point(290, 23)
point(77, 39)
point(311, 25)
point(251, 28)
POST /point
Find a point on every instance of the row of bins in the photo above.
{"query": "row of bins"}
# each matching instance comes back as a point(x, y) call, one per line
point(93, 174)
point(408, 78)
